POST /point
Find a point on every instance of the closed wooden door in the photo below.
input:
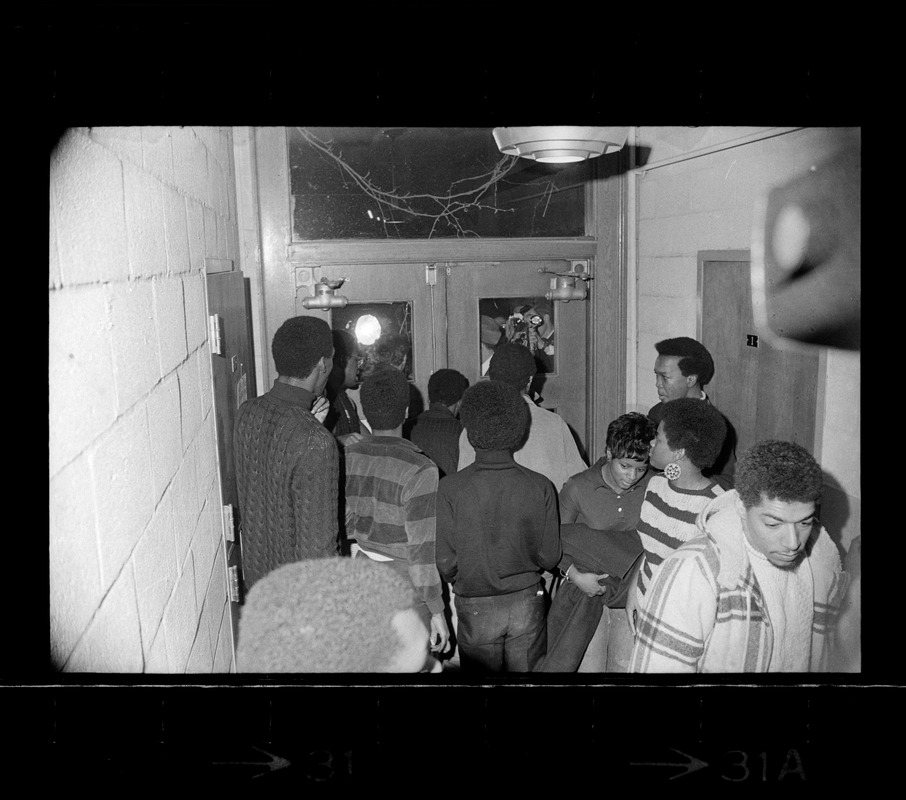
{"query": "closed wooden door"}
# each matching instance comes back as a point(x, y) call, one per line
point(765, 392)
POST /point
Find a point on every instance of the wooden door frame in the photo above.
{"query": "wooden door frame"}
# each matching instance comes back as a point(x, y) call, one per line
point(604, 247)
point(705, 256)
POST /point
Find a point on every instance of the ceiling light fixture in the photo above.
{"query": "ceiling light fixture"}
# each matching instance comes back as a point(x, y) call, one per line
point(560, 144)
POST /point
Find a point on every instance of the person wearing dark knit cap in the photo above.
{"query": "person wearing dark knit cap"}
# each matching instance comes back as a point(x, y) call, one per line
point(549, 446)
point(436, 431)
point(497, 529)
point(331, 615)
point(287, 465)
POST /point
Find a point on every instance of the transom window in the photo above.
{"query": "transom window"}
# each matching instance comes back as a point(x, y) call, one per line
point(426, 183)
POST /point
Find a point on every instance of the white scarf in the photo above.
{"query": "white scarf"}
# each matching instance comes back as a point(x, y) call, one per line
point(789, 596)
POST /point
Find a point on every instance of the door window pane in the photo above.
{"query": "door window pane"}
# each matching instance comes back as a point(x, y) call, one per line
point(528, 321)
point(422, 183)
point(383, 332)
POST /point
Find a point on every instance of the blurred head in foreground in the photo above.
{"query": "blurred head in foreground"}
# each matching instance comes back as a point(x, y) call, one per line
point(331, 615)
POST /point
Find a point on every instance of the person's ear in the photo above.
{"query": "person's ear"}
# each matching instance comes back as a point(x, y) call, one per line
point(691, 380)
point(608, 454)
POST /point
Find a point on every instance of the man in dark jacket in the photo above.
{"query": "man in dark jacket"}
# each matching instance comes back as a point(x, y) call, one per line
point(497, 529)
point(436, 431)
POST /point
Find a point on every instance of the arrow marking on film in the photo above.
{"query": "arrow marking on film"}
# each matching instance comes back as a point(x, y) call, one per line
point(275, 762)
point(692, 764)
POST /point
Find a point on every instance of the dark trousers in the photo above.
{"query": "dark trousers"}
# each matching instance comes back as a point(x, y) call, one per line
point(502, 633)
point(571, 624)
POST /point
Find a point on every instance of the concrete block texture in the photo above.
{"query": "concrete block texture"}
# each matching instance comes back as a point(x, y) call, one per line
point(74, 567)
point(220, 201)
point(154, 564)
point(170, 320)
point(205, 380)
point(165, 429)
point(218, 591)
point(181, 619)
point(672, 316)
point(195, 223)
point(187, 504)
point(145, 237)
point(86, 192)
point(210, 233)
point(208, 467)
point(157, 154)
point(112, 642)
point(189, 399)
point(201, 655)
point(121, 467)
point(82, 397)
point(124, 140)
point(156, 657)
point(211, 617)
point(176, 229)
point(224, 226)
point(190, 165)
point(223, 651)
point(195, 294)
point(203, 553)
point(668, 277)
point(134, 339)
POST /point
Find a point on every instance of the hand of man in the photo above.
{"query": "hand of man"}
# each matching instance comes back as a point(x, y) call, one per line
point(350, 438)
point(439, 629)
point(588, 582)
point(320, 408)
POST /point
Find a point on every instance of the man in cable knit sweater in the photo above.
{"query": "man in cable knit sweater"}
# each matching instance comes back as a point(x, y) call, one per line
point(286, 460)
point(759, 588)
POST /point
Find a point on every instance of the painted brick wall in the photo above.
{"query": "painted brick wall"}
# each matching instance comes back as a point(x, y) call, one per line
point(707, 203)
point(137, 571)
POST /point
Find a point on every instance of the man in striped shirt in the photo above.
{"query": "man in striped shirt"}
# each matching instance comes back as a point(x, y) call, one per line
point(391, 489)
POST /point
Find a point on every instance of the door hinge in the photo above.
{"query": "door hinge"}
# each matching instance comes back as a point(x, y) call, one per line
point(229, 524)
point(234, 584)
point(215, 334)
point(431, 274)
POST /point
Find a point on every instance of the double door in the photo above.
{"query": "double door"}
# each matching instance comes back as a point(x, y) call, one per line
point(445, 311)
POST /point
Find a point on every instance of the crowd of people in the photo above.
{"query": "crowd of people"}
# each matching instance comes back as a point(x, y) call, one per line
point(476, 538)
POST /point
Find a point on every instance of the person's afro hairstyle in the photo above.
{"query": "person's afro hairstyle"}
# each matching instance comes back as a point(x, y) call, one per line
point(298, 345)
point(446, 386)
point(694, 358)
point(495, 415)
point(775, 470)
point(385, 396)
point(696, 426)
point(630, 435)
point(323, 615)
point(513, 364)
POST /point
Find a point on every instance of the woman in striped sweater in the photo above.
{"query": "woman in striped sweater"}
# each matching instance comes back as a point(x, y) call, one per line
point(689, 438)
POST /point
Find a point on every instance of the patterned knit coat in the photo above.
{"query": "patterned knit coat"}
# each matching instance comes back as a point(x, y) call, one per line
point(286, 474)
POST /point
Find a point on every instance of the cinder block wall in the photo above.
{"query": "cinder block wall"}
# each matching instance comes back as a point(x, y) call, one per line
point(137, 570)
point(707, 203)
